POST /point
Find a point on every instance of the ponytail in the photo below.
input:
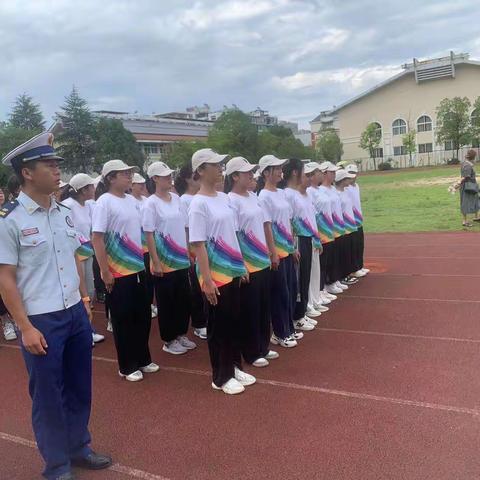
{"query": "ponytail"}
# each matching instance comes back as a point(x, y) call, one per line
point(150, 186)
point(228, 183)
point(180, 181)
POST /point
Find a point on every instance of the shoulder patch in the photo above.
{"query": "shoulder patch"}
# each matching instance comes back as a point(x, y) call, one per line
point(8, 208)
point(62, 205)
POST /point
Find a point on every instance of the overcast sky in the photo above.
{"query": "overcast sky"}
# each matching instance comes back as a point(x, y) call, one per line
point(291, 57)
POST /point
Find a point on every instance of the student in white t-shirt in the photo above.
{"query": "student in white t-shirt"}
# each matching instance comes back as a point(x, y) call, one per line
point(254, 294)
point(279, 236)
point(187, 187)
point(305, 229)
point(78, 197)
point(164, 223)
point(213, 236)
point(117, 242)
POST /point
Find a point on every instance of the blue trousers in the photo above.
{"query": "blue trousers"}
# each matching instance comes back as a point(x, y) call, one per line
point(61, 388)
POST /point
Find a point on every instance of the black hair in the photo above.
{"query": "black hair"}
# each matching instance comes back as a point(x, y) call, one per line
point(196, 175)
point(150, 185)
point(69, 192)
point(180, 182)
point(104, 185)
point(293, 165)
point(14, 184)
point(17, 168)
point(228, 183)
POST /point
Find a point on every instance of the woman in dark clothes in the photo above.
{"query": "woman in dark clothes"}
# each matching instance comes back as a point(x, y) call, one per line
point(469, 203)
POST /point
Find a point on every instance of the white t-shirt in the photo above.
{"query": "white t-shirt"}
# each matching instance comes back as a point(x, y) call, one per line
point(277, 210)
point(167, 220)
point(212, 220)
point(119, 219)
point(323, 214)
point(303, 221)
point(82, 219)
point(337, 212)
point(354, 192)
point(141, 202)
point(347, 210)
point(251, 233)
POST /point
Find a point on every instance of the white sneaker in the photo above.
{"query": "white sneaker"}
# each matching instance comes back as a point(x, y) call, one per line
point(260, 362)
point(109, 326)
point(341, 285)
point(8, 329)
point(200, 333)
point(154, 311)
point(328, 295)
point(186, 342)
point(136, 376)
point(97, 338)
point(232, 387)
point(311, 321)
point(271, 355)
point(366, 271)
point(358, 274)
point(174, 347)
point(324, 300)
point(297, 335)
point(150, 368)
point(244, 378)
point(288, 342)
point(321, 308)
point(333, 289)
point(313, 312)
point(303, 324)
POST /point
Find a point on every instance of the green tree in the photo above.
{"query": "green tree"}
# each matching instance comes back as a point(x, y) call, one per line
point(113, 140)
point(26, 114)
point(370, 141)
point(233, 133)
point(475, 121)
point(328, 145)
point(453, 122)
point(410, 143)
point(180, 153)
point(76, 136)
point(281, 142)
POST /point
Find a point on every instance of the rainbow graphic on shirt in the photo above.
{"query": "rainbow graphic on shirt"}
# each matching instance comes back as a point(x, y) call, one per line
point(172, 255)
point(124, 256)
point(358, 217)
point(325, 227)
point(303, 228)
point(225, 262)
point(255, 253)
point(349, 222)
point(283, 240)
point(144, 242)
point(338, 225)
point(85, 250)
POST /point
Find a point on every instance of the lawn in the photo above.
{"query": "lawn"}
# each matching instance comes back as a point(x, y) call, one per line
point(411, 200)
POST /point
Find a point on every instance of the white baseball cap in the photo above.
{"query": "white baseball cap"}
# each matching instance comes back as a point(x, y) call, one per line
point(97, 180)
point(352, 168)
point(159, 169)
point(310, 167)
point(239, 164)
point(270, 161)
point(137, 178)
point(116, 166)
point(328, 167)
point(342, 174)
point(206, 155)
point(80, 180)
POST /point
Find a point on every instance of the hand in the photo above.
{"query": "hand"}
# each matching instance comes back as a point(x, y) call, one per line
point(34, 341)
point(156, 269)
point(275, 261)
point(296, 256)
point(245, 278)
point(211, 291)
point(319, 249)
point(108, 280)
point(89, 311)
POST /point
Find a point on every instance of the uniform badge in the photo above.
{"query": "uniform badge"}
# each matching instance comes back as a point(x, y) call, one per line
point(29, 231)
point(69, 221)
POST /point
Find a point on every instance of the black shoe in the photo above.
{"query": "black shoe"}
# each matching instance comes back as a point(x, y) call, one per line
point(93, 461)
point(66, 476)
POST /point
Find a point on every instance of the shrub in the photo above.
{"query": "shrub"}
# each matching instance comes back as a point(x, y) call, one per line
point(453, 161)
point(385, 166)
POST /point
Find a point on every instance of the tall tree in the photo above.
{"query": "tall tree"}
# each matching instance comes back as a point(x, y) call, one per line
point(26, 114)
point(113, 140)
point(475, 121)
point(329, 145)
point(370, 141)
point(76, 138)
point(410, 143)
point(180, 153)
point(453, 122)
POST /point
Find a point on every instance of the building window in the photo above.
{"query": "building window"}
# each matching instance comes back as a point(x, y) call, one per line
point(379, 128)
point(401, 150)
point(399, 127)
point(424, 124)
point(378, 153)
point(449, 145)
point(150, 148)
point(425, 148)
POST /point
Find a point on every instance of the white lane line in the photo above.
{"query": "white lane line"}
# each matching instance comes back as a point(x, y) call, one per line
point(327, 391)
point(401, 335)
point(116, 467)
point(410, 299)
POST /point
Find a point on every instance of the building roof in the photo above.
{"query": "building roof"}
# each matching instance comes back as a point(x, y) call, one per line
point(422, 70)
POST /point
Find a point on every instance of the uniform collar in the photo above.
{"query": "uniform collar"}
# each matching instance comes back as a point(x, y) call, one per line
point(31, 206)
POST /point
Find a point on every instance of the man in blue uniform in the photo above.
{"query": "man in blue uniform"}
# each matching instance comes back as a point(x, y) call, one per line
point(41, 287)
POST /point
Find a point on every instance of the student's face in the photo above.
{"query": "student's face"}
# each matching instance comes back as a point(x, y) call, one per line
point(123, 180)
point(44, 176)
point(316, 177)
point(88, 192)
point(243, 179)
point(253, 184)
point(212, 173)
point(274, 174)
point(163, 183)
point(139, 189)
point(303, 180)
point(330, 176)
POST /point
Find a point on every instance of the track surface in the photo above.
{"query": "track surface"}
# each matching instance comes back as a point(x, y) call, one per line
point(386, 387)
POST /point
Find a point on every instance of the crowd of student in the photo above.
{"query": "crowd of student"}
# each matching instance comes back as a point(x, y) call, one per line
point(250, 255)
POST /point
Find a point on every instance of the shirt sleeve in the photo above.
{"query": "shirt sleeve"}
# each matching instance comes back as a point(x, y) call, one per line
point(148, 217)
point(197, 222)
point(100, 217)
point(9, 243)
point(267, 214)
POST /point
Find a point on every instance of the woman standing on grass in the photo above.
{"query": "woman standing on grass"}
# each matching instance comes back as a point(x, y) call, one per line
point(469, 203)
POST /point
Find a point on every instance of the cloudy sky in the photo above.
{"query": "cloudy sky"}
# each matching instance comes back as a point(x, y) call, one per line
point(292, 57)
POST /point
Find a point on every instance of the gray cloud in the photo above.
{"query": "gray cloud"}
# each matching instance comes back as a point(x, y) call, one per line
point(293, 57)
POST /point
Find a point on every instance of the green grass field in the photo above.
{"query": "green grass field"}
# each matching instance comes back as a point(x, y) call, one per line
point(413, 200)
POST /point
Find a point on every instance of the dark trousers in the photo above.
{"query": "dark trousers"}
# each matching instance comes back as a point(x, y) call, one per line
point(60, 384)
point(148, 277)
point(172, 292)
point(327, 264)
point(337, 257)
point(131, 318)
point(255, 315)
point(198, 302)
point(97, 278)
point(358, 249)
point(223, 333)
point(345, 254)
point(3, 308)
point(283, 295)
point(304, 269)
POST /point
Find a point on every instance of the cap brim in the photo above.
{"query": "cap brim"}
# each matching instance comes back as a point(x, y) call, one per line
point(244, 169)
point(219, 158)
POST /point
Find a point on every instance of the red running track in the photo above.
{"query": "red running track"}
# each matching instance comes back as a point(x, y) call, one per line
point(386, 387)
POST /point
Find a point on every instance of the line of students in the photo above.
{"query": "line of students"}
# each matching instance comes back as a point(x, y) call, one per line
point(237, 263)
